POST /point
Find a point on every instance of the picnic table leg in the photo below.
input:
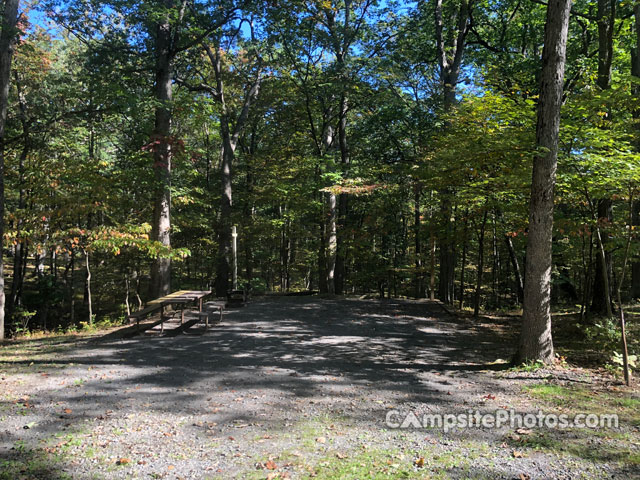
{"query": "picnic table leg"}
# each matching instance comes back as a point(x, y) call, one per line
point(200, 304)
point(181, 315)
point(162, 319)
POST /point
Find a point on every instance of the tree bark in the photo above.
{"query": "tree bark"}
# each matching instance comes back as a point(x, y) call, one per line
point(635, 71)
point(227, 156)
point(343, 200)
point(464, 258)
point(535, 343)
point(635, 266)
point(476, 300)
point(332, 243)
point(516, 267)
point(601, 293)
point(19, 256)
point(447, 251)
point(417, 242)
point(432, 262)
point(161, 144)
point(450, 62)
point(7, 44)
point(89, 299)
point(606, 14)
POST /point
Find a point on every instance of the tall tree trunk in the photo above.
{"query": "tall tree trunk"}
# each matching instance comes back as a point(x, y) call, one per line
point(635, 266)
point(464, 256)
point(450, 62)
point(7, 44)
point(418, 242)
point(248, 216)
point(625, 260)
point(495, 266)
point(602, 295)
point(476, 300)
point(432, 261)
point(332, 243)
point(516, 267)
point(18, 258)
point(535, 341)
point(227, 155)
point(89, 299)
point(447, 251)
point(635, 71)
point(223, 267)
point(161, 144)
point(601, 301)
point(285, 251)
point(606, 14)
point(343, 199)
point(323, 285)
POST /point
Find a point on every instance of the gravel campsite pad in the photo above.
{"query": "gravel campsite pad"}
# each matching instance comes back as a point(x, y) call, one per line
point(299, 387)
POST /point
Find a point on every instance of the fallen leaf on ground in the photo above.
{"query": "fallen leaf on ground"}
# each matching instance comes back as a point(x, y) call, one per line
point(419, 462)
point(123, 461)
point(321, 440)
point(271, 465)
point(518, 454)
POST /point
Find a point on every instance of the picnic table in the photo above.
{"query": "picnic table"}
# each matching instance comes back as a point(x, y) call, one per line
point(181, 297)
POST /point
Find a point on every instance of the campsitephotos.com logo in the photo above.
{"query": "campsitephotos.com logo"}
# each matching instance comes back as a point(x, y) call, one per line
point(498, 419)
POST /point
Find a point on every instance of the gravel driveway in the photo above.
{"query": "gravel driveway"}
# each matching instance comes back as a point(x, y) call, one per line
point(286, 387)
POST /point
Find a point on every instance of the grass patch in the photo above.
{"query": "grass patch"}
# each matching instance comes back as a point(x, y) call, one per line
point(574, 400)
point(385, 464)
point(37, 463)
point(597, 445)
point(34, 354)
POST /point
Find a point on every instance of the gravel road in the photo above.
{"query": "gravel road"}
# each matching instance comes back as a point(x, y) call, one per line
point(274, 391)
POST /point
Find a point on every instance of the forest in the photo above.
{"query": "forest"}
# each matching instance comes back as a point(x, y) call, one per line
point(380, 149)
point(319, 239)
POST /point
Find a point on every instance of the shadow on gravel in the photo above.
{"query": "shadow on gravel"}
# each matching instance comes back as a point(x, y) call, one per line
point(349, 359)
point(298, 347)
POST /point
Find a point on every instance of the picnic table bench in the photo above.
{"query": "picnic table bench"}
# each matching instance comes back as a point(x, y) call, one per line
point(236, 298)
point(209, 308)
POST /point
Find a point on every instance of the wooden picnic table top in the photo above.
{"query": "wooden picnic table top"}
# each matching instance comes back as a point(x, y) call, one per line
point(181, 296)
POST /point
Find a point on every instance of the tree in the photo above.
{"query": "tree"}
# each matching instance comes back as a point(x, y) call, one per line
point(8, 37)
point(229, 135)
point(159, 31)
point(449, 56)
point(535, 337)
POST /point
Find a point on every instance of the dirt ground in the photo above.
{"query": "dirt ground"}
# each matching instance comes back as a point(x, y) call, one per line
point(299, 387)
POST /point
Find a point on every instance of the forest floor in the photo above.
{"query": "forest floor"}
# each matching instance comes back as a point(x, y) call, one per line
point(299, 387)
